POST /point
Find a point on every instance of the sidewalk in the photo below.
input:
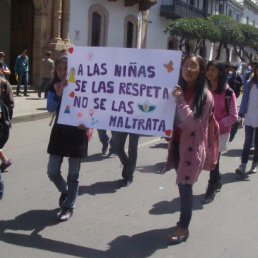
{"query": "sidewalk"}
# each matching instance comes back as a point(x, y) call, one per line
point(29, 108)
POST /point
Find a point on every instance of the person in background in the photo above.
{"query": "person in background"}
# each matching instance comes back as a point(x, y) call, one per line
point(6, 96)
point(47, 72)
point(6, 71)
point(21, 70)
point(249, 110)
point(216, 76)
point(235, 81)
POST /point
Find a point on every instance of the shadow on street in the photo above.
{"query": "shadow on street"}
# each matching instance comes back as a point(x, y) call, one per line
point(139, 245)
point(157, 168)
point(100, 188)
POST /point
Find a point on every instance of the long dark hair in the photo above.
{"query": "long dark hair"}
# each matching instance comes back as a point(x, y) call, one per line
point(200, 91)
point(56, 78)
point(255, 79)
point(222, 80)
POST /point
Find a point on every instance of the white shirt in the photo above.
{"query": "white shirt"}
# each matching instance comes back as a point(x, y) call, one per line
point(251, 117)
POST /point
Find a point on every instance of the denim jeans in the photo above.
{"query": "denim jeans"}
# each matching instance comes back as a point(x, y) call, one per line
point(1, 186)
point(186, 202)
point(72, 185)
point(128, 161)
point(104, 139)
point(22, 76)
point(249, 133)
point(44, 86)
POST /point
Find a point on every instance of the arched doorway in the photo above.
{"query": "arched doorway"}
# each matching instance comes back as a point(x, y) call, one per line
point(22, 30)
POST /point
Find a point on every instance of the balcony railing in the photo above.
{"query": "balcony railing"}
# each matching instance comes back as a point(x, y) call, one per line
point(174, 9)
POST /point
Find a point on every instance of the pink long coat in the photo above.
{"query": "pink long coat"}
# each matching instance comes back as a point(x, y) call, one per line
point(192, 141)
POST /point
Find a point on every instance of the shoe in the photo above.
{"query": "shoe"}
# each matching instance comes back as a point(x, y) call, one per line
point(18, 95)
point(111, 155)
point(39, 95)
point(218, 186)
point(175, 240)
point(62, 199)
point(105, 148)
point(65, 214)
point(26, 95)
point(252, 151)
point(210, 193)
point(253, 169)
point(241, 170)
point(126, 182)
point(5, 165)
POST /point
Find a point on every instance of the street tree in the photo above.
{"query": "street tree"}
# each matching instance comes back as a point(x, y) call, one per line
point(230, 32)
point(250, 34)
point(193, 28)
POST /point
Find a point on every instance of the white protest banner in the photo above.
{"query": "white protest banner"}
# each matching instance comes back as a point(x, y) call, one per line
point(121, 89)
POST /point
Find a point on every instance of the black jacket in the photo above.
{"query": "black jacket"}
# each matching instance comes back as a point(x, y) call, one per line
point(66, 140)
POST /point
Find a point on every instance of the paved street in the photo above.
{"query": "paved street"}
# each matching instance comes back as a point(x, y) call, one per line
point(128, 222)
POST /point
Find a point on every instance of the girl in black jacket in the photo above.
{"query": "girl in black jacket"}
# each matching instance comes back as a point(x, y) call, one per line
point(65, 141)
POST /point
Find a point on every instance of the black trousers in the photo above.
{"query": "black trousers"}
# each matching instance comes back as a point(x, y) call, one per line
point(215, 176)
point(186, 194)
point(128, 161)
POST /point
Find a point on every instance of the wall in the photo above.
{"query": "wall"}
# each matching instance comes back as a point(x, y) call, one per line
point(117, 13)
point(5, 14)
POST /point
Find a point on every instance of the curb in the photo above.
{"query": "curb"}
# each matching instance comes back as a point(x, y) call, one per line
point(30, 117)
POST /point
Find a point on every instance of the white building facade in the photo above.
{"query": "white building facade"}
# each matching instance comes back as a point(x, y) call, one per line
point(115, 24)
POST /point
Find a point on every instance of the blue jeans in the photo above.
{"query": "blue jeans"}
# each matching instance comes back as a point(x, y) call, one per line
point(44, 86)
point(22, 76)
point(72, 185)
point(1, 186)
point(250, 132)
point(128, 161)
point(104, 139)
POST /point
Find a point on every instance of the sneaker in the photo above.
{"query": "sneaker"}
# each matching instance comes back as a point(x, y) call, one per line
point(126, 182)
point(253, 169)
point(62, 199)
point(105, 148)
point(210, 193)
point(65, 214)
point(5, 165)
point(252, 151)
point(241, 169)
point(111, 155)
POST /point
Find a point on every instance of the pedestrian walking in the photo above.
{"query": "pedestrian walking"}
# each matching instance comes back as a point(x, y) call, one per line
point(225, 111)
point(65, 141)
point(21, 70)
point(187, 148)
point(235, 81)
point(249, 111)
point(7, 99)
point(5, 120)
point(6, 71)
point(128, 160)
point(47, 72)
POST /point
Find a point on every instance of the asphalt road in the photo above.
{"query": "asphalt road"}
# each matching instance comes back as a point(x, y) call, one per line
point(121, 222)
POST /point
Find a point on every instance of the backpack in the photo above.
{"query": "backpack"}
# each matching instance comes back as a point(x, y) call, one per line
point(235, 126)
point(212, 144)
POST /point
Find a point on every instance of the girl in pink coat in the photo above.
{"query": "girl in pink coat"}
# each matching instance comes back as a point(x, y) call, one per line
point(187, 148)
point(216, 76)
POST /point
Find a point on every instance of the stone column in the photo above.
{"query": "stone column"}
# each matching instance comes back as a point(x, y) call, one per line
point(65, 21)
point(57, 17)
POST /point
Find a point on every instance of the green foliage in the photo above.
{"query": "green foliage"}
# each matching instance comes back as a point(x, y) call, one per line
point(229, 28)
point(193, 28)
point(250, 33)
